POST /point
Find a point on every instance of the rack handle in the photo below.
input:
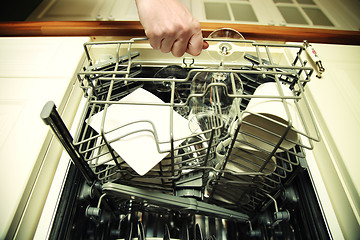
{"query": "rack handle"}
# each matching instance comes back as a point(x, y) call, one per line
point(51, 117)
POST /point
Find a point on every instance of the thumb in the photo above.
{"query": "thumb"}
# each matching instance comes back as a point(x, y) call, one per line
point(205, 45)
point(195, 44)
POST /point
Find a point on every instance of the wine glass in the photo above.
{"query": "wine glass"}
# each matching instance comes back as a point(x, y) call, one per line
point(211, 104)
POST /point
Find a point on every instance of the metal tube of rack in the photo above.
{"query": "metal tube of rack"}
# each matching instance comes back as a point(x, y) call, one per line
point(51, 117)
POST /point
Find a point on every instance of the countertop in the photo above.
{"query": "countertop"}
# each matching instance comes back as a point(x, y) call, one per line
point(32, 71)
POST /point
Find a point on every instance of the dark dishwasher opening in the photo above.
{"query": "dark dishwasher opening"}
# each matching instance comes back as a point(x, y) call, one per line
point(298, 197)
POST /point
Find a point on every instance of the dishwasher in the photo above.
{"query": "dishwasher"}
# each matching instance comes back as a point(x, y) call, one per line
point(190, 148)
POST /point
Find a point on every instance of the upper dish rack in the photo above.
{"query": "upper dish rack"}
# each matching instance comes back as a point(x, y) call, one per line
point(233, 154)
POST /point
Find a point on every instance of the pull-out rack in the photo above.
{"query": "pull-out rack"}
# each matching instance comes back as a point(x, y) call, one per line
point(212, 165)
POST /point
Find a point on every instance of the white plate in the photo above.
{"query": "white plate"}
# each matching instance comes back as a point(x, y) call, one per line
point(136, 143)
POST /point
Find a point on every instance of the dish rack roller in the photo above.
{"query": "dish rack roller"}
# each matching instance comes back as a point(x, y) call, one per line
point(240, 179)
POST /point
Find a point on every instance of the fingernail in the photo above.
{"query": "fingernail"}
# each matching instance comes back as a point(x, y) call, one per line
point(205, 45)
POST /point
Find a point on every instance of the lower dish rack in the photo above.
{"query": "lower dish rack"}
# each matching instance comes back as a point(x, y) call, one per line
point(209, 136)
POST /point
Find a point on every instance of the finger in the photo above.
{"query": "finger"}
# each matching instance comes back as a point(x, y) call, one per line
point(205, 45)
point(195, 44)
point(167, 44)
point(155, 42)
point(179, 47)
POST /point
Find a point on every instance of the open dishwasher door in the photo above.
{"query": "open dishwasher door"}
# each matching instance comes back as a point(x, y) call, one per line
point(207, 147)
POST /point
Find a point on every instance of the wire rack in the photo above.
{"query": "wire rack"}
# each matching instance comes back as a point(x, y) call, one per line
point(218, 162)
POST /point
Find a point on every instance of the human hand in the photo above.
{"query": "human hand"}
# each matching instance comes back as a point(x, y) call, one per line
point(170, 27)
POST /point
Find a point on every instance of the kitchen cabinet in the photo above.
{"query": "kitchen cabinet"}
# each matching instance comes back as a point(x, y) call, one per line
point(84, 10)
point(79, 10)
point(334, 14)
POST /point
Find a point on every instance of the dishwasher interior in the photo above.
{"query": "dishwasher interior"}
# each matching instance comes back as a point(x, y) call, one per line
point(206, 147)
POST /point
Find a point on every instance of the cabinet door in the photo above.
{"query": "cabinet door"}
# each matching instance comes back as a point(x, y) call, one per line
point(126, 9)
point(304, 13)
point(331, 14)
point(72, 10)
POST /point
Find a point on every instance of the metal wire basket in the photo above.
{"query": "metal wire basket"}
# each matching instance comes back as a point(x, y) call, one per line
point(217, 162)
